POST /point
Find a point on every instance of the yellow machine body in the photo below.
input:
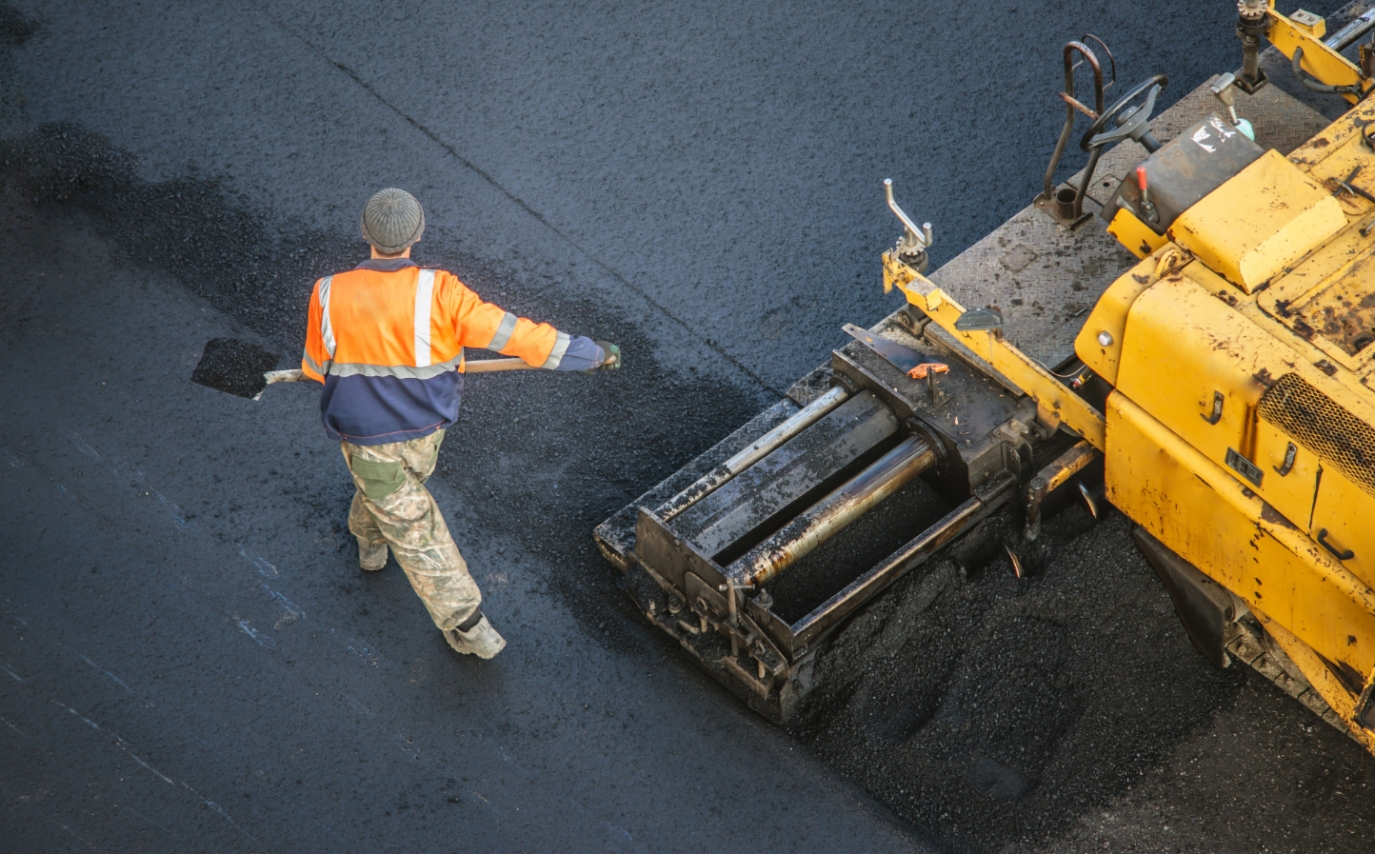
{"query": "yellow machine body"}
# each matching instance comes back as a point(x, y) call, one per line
point(1240, 428)
point(1244, 335)
point(1226, 380)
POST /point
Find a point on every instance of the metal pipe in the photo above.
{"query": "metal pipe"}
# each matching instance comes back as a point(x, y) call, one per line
point(830, 515)
point(1253, 20)
point(911, 555)
point(1083, 188)
point(1357, 27)
point(733, 619)
point(1068, 464)
point(1250, 58)
point(753, 453)
point(1048, 183)
point(1052, 477)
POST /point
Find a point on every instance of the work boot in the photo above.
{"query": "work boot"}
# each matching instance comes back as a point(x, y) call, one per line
point(371, 556)
point(481, 639)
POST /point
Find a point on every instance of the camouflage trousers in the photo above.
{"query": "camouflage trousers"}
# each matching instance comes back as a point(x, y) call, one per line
point(393, 506)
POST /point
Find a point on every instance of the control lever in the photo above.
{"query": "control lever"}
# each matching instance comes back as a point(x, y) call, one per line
point(1222, 89)
point(915, 241)
point(1148, 211)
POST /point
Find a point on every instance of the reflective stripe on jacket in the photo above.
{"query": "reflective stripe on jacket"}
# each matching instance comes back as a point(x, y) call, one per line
point(387, 339)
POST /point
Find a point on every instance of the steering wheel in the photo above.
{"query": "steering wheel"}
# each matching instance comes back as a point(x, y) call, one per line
point(1127, 123)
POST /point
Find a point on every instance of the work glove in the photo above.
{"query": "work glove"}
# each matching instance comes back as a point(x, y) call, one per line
point(613, 356)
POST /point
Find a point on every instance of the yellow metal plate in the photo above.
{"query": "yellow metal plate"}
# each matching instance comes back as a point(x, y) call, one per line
point(1269, 215)
point(1335, 138)
point(1328, 299)
point(1198, 510)
point(1182, 346)
point(1344, 511)
point(1292, 493)
point(1134, 234)
point(1099, 343)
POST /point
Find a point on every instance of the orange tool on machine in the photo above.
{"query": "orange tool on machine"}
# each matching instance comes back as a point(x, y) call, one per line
point(920, 372)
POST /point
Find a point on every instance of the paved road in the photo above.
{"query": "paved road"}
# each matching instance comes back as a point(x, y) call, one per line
point(190, 659)
point(193, 664)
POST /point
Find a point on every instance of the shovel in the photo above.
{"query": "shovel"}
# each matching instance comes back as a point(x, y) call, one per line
point(243, 368)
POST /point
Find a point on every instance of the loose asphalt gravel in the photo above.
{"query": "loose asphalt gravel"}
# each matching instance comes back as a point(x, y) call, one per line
point(191, 660)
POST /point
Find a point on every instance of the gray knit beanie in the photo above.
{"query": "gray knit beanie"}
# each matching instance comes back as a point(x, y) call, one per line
point(392, 220)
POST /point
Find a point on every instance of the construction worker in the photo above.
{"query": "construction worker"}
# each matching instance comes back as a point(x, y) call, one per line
point(386, 339)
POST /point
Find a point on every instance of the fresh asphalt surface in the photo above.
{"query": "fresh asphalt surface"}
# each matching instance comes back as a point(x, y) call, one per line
point(189, 658)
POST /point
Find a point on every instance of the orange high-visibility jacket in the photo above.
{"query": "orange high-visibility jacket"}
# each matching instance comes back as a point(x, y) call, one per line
point(387, 339)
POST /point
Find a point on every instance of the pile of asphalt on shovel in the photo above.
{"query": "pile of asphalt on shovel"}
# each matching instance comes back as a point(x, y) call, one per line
point(987, 709)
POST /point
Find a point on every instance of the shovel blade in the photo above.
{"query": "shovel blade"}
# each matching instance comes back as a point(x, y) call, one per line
point(234, 366)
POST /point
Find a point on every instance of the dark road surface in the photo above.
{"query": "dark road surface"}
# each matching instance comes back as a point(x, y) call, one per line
point(190, 659)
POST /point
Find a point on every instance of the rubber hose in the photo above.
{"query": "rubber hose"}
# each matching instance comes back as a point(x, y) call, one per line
point(1313, 85)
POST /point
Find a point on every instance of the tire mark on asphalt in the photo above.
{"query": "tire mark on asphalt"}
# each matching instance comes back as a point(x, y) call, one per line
point(290, 611)
point(270, 644)
point(173, 510)
point(216, 807)
point(265, 569)
point(165, 830)
point(120, 682)
point(264, 641)
point(32, 804)
point(119, 742)
point(356, 647)
point(37, 638)
point(29, 801)
point(521, 203)
point(124, 745)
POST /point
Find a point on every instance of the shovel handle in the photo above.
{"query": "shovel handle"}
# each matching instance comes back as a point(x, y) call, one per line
point(480, 366)
point(292, 376)
point(485, 366)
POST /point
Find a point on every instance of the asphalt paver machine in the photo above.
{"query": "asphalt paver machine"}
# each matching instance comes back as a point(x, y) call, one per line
point(1204, 364)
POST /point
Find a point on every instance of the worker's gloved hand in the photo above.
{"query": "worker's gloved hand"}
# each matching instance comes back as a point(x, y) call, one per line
point(613, 356)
